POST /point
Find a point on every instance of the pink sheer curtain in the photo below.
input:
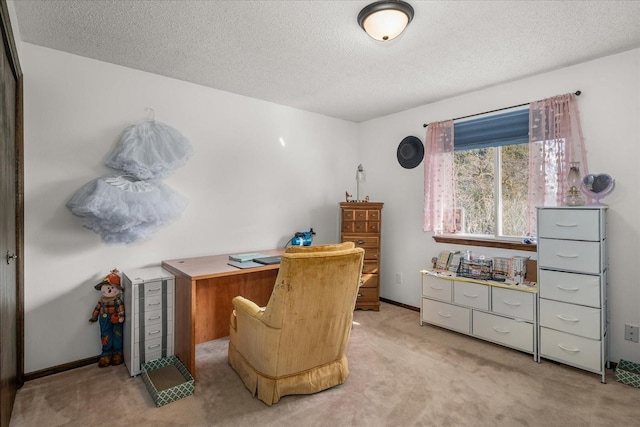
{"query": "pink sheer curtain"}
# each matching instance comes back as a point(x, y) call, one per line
point(555, 140)
point(439, 178)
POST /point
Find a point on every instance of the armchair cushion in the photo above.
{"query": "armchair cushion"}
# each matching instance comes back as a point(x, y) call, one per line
point(297, 344)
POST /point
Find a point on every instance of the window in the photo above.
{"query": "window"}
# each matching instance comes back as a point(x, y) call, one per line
point(491, 162)
point(554, 139)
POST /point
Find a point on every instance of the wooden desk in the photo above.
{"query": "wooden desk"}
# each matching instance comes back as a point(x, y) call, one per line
point(204, 288)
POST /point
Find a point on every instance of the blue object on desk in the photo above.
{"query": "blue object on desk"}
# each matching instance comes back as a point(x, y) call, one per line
point(302, 238)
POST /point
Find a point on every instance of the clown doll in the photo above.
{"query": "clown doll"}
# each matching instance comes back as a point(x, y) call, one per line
point(109, 312)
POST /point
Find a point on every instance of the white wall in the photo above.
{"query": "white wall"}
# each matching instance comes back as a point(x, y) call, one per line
point(76, 108)
point(75, 111)
point(610, 112)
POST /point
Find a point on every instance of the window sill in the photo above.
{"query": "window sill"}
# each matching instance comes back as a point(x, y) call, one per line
point(487, 243)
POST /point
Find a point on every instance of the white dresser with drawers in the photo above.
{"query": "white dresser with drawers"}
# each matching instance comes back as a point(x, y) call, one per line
point(572, 281)
point(491, 311)
point(149, 313)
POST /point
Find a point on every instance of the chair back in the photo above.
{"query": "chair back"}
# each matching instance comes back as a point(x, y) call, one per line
point(321, 248)
point(312, 304)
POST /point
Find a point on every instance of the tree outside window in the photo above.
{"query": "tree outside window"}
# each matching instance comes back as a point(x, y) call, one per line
point(491, 190)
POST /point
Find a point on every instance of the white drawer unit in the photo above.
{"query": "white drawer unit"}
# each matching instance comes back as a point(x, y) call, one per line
point(504, 330)
point(471, 295)
point(435, 288)
point(572, 318)
point(447, 315)
point(572, 278)
point(569, 255)
point(571, 224)
point(520, 305)
point(149, 304)
point(582, 289)
point(487, 310)
point(571, 349)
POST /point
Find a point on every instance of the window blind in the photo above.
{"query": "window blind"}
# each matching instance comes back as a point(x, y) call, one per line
point(511, 127)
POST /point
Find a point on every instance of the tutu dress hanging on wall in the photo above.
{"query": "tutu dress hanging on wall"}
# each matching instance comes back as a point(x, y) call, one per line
point(122, 209)
point(150, 150)
point(131, 205)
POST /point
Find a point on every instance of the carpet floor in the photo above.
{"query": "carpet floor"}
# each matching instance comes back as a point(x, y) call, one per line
point(401, 374)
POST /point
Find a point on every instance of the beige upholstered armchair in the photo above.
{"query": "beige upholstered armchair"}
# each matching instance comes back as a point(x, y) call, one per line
point(297, 343)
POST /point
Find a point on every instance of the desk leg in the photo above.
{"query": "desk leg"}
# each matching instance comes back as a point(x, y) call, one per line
point(184, 334)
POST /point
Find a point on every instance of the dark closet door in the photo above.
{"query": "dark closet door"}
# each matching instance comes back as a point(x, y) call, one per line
point(10, 222)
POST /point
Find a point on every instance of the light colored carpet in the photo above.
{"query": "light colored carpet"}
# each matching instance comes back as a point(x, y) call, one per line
point(402, 374)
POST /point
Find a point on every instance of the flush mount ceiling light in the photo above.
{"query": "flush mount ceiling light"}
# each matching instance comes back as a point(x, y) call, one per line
point(385, 20)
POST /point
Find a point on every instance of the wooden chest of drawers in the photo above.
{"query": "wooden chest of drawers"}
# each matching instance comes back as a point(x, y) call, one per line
point(361, 223)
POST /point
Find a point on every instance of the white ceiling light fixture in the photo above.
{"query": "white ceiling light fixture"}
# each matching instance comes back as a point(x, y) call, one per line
point(385, 20)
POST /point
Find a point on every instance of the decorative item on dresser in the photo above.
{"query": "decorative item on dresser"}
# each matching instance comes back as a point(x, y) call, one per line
point(572, 276)
point(574, 196)
point(597, 187)
point(149, 299)
point(361, 224)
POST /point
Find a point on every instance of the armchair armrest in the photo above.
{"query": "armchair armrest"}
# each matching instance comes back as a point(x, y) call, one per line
point(247, 306)
point(250, 335)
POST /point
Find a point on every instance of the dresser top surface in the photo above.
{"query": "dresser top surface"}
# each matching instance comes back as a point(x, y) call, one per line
point(362, 205)
point(531, 287)
point(139, 275)
point(589, 207)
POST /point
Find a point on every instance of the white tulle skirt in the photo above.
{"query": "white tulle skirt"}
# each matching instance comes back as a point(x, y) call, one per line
point(150, 150)
point(123, 209)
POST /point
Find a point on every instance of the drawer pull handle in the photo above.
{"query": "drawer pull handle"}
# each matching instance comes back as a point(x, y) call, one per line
point(568, 319)
point(359, 295)
point(154, 303)
point(360, 242)
point(470, 295)
point(155, 318)
point(436, 288)
point(563, 288)
point(566, 225)
point(574, 350)
point(154, 290)
point(515, 304)
point(444, 314)
point(153, 346)
point(501, 331)
point(567, 256)
point(154, 332)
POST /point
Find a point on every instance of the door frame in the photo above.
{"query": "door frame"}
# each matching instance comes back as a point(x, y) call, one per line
point(12, 54)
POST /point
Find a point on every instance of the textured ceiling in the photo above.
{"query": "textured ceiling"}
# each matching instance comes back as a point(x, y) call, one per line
point(313, 55)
